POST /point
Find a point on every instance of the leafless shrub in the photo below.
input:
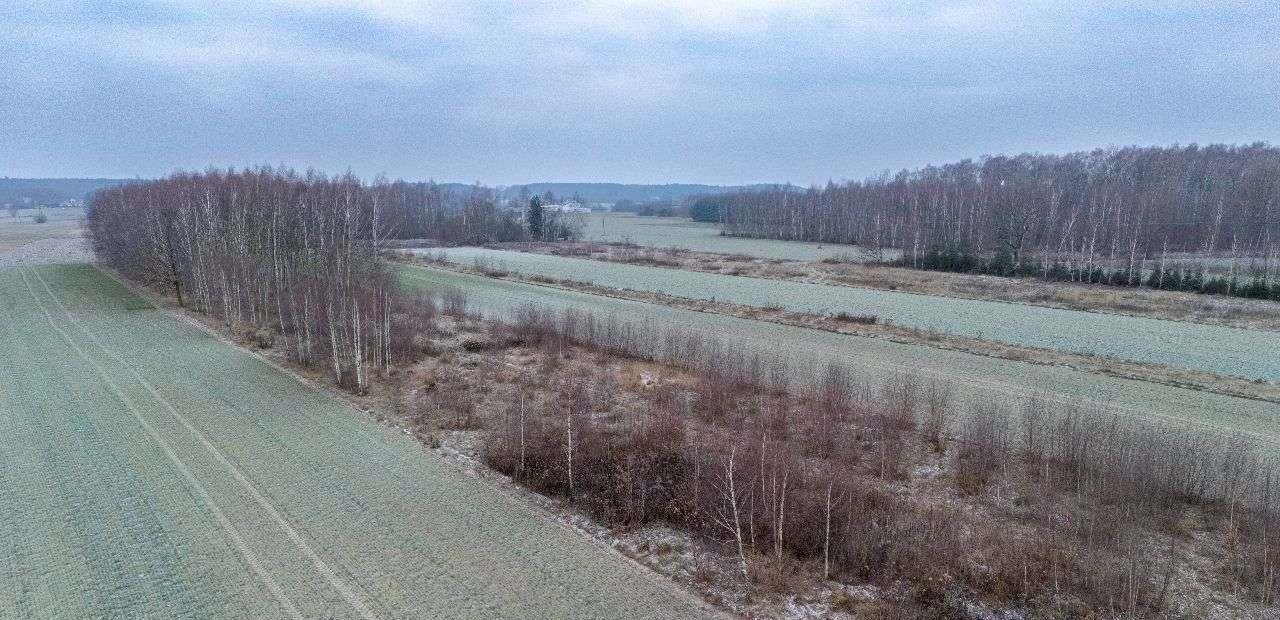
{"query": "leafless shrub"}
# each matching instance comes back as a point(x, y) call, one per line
point(453, 302)
point(892, 420)
point(858, 319)
point(445, 402)
point(937, 404)
point(982, 447)
point(489, 267)
point(435, 257)
point(412, 324)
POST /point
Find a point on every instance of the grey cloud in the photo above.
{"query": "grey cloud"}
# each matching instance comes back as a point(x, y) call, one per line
point(503, 93)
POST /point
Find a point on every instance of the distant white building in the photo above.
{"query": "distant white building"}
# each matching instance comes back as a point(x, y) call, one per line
point(567, 207)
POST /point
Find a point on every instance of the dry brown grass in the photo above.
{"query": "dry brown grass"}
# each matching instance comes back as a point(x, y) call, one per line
point(1018, 510)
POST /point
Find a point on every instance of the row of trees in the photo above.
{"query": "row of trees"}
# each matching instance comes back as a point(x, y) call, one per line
point(287, 254)
point(428, 211)
point(710, 208)
point(1122, 212)
point(296, 255)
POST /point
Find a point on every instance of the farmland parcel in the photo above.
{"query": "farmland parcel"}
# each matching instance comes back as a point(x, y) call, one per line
point(16, 232)
point(676, 232)
point(151, 471)
point(977, 379)
point(1250, 354)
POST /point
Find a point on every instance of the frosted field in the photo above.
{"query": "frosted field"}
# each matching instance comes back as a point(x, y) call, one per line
point(17, 232)
point(1251, 354)
point(53, 213)
point(151, 471)
point(664, 232)
point(976, 378)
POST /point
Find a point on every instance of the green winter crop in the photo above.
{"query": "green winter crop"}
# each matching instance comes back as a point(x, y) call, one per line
point(153, 471)
point(1230, 351)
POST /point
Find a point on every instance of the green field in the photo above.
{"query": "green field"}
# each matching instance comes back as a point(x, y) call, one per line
point(665, 232)
point(1251, 354)
point(152, 471)
point(976, 378)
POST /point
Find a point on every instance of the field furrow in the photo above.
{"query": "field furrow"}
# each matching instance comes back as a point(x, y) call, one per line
point(116, 506)
point(349, 519)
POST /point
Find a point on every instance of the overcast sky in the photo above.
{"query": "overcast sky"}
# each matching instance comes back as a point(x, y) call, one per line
point(690, 91)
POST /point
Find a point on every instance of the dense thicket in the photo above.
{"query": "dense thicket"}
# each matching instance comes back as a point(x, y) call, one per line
point(1115, 214)
point(429, 211)
point(785, 465)
point(278, 252)
point(709, 208)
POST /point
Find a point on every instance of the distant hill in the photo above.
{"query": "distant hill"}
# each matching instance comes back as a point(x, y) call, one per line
point(614, 192)
point(50, 191)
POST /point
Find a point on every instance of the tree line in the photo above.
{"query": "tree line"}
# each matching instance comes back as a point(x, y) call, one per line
point(429, 211)
point(291, 257)
point(1170, 217)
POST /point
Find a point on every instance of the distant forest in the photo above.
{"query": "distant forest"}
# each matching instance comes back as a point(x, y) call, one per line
point(618, 192)
point(41, 192)
point(1192, 217)
point(54, 191)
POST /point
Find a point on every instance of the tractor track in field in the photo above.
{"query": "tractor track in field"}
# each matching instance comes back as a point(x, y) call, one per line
point(506, 488)
point(232, 532)
point(262, 481)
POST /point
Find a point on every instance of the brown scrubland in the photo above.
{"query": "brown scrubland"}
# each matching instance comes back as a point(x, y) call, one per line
point(864, 500)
